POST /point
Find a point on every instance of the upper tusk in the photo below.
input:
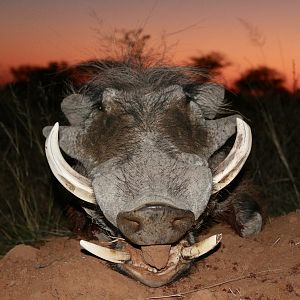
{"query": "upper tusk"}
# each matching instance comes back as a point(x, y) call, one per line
point(74, 182)
point(115, 256)
point(202, 247)
point(228, 169)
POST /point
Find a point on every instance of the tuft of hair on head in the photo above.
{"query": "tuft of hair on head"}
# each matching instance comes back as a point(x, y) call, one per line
point(129, 75)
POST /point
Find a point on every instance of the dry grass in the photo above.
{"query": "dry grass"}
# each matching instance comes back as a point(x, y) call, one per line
point(27, 209)
point(274, 161)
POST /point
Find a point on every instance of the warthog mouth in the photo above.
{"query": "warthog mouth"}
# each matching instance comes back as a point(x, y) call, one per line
point(154, 265)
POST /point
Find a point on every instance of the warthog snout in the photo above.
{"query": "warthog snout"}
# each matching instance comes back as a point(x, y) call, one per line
point(155, 224)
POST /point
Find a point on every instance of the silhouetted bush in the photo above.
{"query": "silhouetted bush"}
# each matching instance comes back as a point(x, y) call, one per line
point(273, 113)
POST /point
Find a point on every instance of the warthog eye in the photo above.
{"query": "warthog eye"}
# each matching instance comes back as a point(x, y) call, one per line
point(108, 121)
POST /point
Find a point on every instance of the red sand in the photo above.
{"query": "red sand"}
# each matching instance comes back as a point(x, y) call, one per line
point(263, 267)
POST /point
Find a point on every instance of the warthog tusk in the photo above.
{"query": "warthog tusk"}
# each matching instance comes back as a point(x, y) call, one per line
point(202, 247)
point(74, 182)
point(115, 256)
point(228, 169)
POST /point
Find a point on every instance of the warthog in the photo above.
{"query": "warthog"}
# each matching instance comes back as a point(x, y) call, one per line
point(149, 143)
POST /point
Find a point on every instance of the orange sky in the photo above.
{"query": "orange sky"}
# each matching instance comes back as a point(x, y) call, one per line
point(35, 32)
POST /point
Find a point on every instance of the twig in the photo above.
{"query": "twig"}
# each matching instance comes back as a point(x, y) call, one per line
point(232, 292)
point(276, 242)
point(182, 294)
point(42, 266)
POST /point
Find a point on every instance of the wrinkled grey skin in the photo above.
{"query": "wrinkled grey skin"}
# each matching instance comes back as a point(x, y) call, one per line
point(150, 142)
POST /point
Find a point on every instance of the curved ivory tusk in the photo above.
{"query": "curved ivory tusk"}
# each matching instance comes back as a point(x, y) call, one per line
point(77, 184)
point(202, 247)
point(228, 169)
point(115, 256)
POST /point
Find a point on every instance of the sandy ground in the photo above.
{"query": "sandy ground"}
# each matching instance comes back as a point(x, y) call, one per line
point(263, 267)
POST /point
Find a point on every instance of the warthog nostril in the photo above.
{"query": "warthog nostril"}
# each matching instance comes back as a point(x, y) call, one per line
point(177, 223)
point(131, 226)
point(155, 224)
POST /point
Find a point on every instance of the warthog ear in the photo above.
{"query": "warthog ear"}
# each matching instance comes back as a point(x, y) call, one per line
point(76, 108)
point(207, 100)
point(209, 97)
point(47, 130)
point(67, 139)
point(218, 132)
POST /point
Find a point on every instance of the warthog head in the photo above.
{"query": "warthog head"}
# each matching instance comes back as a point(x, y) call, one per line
point(145, 140)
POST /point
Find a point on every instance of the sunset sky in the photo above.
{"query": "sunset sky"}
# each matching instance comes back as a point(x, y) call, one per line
point(36, 32)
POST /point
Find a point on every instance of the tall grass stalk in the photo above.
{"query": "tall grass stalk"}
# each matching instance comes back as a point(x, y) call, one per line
point(278, 145)
point(27, 210)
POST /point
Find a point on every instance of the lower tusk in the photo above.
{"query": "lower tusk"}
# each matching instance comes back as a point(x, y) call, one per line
point(108, 254)
point(202, 247)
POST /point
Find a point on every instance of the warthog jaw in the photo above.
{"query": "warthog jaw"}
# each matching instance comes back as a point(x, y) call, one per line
point(130, 259)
